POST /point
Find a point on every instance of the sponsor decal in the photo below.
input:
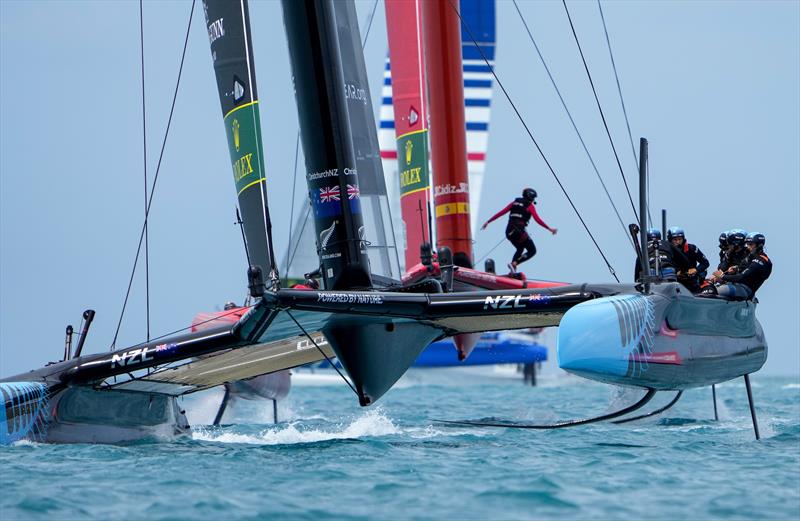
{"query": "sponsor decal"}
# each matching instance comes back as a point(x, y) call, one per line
point(503, 302)
point(349, 298)
point(325, 236)
point(514, 301)
point(351, 92)
point(350, 171)
point(414, 172)
point(243, 167)
point(216, 30)
point(462, 188)
point(238, 90)
point(131, 357)
point(413, 116)
point(235, 129)
point(332, 172)
point(305, 343)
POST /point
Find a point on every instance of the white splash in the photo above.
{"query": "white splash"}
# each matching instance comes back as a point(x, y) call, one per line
point(372, 423)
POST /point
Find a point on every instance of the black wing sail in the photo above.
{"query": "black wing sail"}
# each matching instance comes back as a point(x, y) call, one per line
point(381, 244)
point(228, 23)
point(331, 171)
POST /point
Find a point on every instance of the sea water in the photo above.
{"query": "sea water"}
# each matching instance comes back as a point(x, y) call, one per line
point(327, 458)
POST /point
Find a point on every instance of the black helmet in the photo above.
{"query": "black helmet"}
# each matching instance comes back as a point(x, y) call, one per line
point(529, 194)
point(230, 305)
point(736, 237)
point(723, 239)
point(675, 231)
point(756, 238)
point(653, 233)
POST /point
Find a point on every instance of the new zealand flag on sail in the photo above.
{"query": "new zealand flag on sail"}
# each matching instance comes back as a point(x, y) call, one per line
point(326, 201)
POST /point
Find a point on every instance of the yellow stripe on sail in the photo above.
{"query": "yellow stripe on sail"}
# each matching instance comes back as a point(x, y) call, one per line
point(452, 209)
point(398, 138)
point(263, 179)
point(414, 191)
point(240, 107)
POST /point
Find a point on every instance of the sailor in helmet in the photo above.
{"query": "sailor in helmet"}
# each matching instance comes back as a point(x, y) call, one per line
point(744, 283)
point(698, 263)
point(520, 211)
point(723, 247)
point(671, 260)
point(736, 253)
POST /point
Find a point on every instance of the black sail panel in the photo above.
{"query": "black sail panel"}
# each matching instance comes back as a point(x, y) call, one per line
point(331, 170)
point(381, 244)
point(228, 23)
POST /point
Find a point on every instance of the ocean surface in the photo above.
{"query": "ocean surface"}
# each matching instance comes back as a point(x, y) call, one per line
point(327, 458)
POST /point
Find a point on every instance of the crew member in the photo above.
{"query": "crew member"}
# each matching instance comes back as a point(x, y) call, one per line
point(737, 254)
point(671, 260)
point(520, 211)
point(746, 282)
point(723, 247)
point(698, 263)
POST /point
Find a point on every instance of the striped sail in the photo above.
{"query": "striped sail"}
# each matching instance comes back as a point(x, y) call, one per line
point(479, 15)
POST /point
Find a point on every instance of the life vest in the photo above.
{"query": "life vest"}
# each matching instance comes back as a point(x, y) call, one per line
point(519, 212)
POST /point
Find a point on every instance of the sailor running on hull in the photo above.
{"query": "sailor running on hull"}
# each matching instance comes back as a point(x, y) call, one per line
point(520, 211)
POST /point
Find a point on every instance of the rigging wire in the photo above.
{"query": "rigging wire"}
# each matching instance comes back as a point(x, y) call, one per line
point(290, 259)
point(350, 385)
point(600, 108)
point(574, 125)
point(155, 178)
point(294, 191)
point(533, 139)
point(144, 153)
point(622, 102)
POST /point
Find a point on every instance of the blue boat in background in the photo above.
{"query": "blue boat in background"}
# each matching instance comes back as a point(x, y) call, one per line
point(500, 347)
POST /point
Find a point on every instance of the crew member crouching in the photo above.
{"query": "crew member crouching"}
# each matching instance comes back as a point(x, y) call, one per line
point(744, 283)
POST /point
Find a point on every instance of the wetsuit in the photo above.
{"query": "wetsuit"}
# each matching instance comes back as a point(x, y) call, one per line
point(520, 211)
point(746, 282)
point(733, 258)
point(670, 260)
point(697, 261)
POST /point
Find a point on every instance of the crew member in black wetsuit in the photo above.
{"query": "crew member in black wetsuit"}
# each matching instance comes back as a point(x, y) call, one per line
point(745, 282)
point(520, 211)
point(736, 253)
point(698, 263)
point(723, 247)
point(671, 260)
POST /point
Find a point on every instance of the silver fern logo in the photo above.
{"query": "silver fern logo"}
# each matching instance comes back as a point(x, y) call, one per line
point(637, 330)
point(325, 236)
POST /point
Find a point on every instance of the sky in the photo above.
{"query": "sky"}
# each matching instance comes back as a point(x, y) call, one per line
point(714, 86)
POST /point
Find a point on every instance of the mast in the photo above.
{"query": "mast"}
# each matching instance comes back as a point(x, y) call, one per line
point(228, 24)
point(331, 171)
point(443, 63)
point(410, 121)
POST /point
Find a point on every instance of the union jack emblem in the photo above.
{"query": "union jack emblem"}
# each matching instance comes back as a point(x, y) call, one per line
point(353, 192)
point(330, 194)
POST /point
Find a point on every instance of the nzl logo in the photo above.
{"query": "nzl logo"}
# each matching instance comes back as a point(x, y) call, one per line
point(132, 357)
point(503, 302)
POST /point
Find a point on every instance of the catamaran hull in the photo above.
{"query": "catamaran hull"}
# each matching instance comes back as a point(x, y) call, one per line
point(84, 415)
point(668, 340)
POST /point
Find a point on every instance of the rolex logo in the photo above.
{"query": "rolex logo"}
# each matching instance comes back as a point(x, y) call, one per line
point(409, 147)
point(235, 128)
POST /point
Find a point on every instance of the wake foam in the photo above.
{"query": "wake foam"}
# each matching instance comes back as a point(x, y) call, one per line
point(371, 424)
